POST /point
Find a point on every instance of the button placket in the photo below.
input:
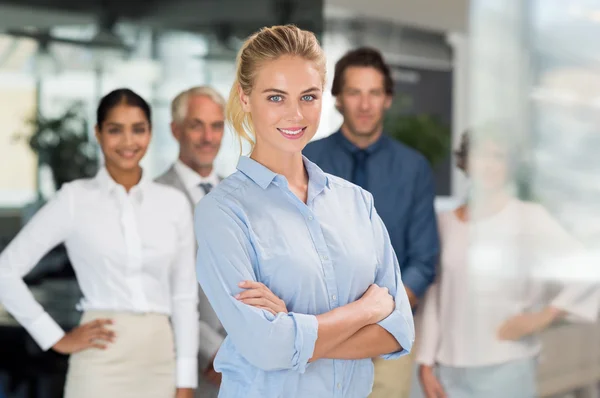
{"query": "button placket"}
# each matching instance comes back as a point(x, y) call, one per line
point(316, 233)
point(133, 245)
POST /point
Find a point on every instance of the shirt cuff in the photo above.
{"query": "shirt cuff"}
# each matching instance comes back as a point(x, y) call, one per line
point(578, 309)
point(307, 328)
point(402, 330)
point(413, 279)
point(423, 358)
point(45, 331)
point(187, 373)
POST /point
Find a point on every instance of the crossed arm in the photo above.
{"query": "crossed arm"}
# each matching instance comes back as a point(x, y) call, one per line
point(277, 340)
point(347, 332)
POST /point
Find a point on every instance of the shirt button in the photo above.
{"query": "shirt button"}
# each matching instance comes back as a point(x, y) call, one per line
point(334, 297)
point(339, 386)
point(324, 257)
point(310, 218)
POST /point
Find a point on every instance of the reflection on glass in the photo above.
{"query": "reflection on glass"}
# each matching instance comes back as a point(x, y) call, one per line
point(518, 286)
point(494, 294)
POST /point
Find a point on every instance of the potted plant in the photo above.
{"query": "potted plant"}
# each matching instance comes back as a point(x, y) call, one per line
point(426, 133)
point(62, 143)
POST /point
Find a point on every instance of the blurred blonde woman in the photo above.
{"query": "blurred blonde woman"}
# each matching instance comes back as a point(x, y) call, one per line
point(501, 264)
point(297, 263)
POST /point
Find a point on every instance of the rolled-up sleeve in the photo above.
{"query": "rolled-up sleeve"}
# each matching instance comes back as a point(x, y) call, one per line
point(225, 258)
point(185, 317)
point(399, 323)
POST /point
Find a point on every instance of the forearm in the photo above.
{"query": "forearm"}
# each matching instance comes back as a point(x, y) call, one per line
point(184, 393)
point(17, 299)
point(555, 313)
point(370, 341)
point(337, 326)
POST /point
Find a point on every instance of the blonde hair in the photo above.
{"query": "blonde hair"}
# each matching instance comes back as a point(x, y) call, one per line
point(179, 105)
point(267, 44)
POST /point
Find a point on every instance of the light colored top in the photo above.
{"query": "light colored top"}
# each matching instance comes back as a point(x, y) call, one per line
point(131, 252)
point(192, 180)
point(316, 257)
point(491, 270)
point(212, 333)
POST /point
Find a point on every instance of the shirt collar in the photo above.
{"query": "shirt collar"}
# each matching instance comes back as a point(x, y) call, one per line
point(191, 179)
point(108, 184)
point(350, 147)
point(316, 176)
point(263, 176)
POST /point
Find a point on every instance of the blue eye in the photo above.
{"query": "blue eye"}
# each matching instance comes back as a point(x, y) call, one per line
point(276, 98)
point(308, 98)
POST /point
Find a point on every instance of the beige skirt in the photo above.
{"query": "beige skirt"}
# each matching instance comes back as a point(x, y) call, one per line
point(139, 363)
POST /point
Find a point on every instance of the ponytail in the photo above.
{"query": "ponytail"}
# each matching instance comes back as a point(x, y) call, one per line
point(240, 121)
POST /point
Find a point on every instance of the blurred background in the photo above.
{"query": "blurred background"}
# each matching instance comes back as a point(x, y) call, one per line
point(455, 63)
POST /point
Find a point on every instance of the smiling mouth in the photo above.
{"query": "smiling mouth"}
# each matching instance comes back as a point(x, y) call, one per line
point(292, 133)
point(128, 154)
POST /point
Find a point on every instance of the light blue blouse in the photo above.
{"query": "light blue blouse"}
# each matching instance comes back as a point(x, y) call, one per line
point(316, 257)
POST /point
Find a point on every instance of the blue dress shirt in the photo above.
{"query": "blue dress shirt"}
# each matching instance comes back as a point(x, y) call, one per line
point(315, 256)
point(402, 185)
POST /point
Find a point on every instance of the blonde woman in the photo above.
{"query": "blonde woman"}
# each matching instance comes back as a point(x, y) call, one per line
point(296, 263)
point(502, 259)
point(131, 244)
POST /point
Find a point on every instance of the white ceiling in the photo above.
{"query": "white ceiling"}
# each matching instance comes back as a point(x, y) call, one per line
point(438, 15)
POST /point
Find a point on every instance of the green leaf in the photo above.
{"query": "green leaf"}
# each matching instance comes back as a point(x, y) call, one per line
point(425, 133)
point(62, 142)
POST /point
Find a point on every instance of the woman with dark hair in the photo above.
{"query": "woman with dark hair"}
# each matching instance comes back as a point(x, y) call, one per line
point(501, 259)
point(131, 244)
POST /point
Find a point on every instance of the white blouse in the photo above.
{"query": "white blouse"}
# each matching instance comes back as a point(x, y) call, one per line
point(130, 251)
point(516, 261)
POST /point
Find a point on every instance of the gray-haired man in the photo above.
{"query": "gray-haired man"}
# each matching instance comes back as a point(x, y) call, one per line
point(197, 124)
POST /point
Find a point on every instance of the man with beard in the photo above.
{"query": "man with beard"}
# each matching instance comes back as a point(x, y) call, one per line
point(399, 178)
point(198, 123)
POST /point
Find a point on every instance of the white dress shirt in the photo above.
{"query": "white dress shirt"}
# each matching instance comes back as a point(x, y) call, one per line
point(131, 252)
point(192, 180)
point(515, 261)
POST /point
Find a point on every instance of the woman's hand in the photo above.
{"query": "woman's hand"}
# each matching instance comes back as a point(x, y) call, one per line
point(432, 388)
point(378, 303)
point(210, 374)
point(260, 296)
point(521, 325)
point(184, 393)
point(92, 334)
